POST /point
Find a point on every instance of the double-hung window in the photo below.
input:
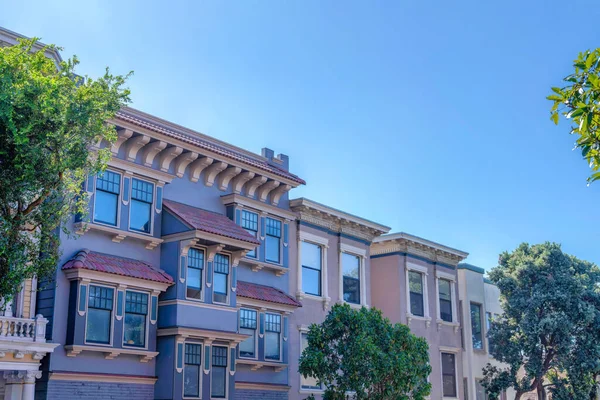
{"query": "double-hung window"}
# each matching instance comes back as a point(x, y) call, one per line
point(311, 268)
point(108, 188)
point(248, 327)
point(307, 382)
point(351, 284)
point(136, 313)
point(219, 372)
point(272, 337)
point(449, 375)
point(99, 315)
point(192, 370)
point(476, 325)
point(220, 278)
point(445, 293)
point(273, 240)
point(140, 218)
point(415, 284)
point(250, 224)
point(194, 273)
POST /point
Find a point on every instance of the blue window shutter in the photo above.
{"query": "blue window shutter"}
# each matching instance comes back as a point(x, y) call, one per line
point(262, 324)
point(90, 183)
point(82, 298)
point(232, 360)
point(234, 277)
point(209, 272)
point(206, 358)
point(154, 314)
point(159, 192)
point(120, 303)
point(182, 269)
point(126, 190)
point(179, 356)
point(285, 328)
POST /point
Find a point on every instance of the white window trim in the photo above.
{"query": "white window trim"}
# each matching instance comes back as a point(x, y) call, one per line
point(200, 373)
point(304, 330)
point(424, 275)
point(227, 283)
point(263, 236)
point(148, 316)
point(258, 232)
point(113, 314)
point(212, 346)
point(324, 243)
point(280, 338)
point(119, 197)
point(203, 273)
point(483, 329)
point(152, 205)
point(452, 278)
point(256, 331)
point(362, 255)
point(455, 351)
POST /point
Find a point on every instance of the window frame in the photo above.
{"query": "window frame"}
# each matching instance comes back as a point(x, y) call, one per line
point(422, 294)
point(280, 334)
point(302, 266)
point(131, 200)
point(280, 250)
point(303, 388)
point(481, 326)
point(456, 386)
point(119, 197)
point(112, 315)
point(148, 315)
point(361, 255)
point(212, 367)
point(200, 370)
point(202, 273)
point(257, 321)
point(227, 280)
point(256, 233)
point(453, 298)
point(424, 276)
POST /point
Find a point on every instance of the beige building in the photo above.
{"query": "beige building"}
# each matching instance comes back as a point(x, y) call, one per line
point(417, 284)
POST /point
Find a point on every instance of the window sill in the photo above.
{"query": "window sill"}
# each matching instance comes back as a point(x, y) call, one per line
point(311, 391)
point(441, 322)
point(410, 318)
point(110, 352)
point(258, 265)
point(118, 235)
point(256, 365)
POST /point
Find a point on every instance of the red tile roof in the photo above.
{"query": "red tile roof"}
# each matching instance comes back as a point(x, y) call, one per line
point(265, 293)
point(91, 260)
point(208, 221)
point(130, 116)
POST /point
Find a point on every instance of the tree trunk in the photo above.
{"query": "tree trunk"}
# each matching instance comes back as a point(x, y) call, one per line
point(518, 395)
point(541, 392)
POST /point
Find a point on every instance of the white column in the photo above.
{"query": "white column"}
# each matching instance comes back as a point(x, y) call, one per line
point(13, 389)
point(29, 385)
point(7, 308)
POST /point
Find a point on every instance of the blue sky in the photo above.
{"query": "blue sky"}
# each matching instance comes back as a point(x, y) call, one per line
point(429, 117)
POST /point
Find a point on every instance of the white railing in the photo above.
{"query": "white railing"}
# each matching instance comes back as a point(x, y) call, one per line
point(23, 329)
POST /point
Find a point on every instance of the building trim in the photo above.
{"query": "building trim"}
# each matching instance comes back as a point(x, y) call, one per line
point(335, 233)
point(416, 257)
point(238, 199)
point(419, 240)
point(261, 386)
point(199, 333)
point(108, 378)
point(140, 170)
point(195, 303)
point(471, 267)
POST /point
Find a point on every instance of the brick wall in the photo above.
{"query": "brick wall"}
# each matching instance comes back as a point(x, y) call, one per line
point(74, 390)
point(244, 394)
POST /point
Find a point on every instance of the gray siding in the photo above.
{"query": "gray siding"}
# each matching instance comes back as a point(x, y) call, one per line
point(67, 390)
point(260, 395)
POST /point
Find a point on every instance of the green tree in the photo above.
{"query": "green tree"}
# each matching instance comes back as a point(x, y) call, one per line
point(50, 120)
point(360, 351)
point(579, 101)
point(549, 333)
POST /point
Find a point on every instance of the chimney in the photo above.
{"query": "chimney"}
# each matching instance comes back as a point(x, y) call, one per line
point(281, 161)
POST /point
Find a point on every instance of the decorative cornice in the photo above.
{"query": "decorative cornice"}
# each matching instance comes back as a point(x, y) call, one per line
point(405, 243)
point(237, 199)
point(89, 377)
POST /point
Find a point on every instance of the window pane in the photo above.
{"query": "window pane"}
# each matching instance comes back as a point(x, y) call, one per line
point(248, 346)
point(109, 181)
point(191, 379)
point(311, 281)
point(351, 265)
point(105, 208)
point(416, 304)
point(273, 227)
point(219, 370)
point(445, 293)
point(194, 283)
point(446, 310)
point(272, 248)
point(311, 255)
point(351, 290)
point(249, 220)
point(221, 263)
point(308, 382)
point(135, 330)
point(251, 253)
point(448, 375)
point(220, 287)
point(415, 280)
point(98, 326)
point(248, 319)
point(139, 218)
point(480, 391)
point(476, 326)
point(272, 345)
point(142, 191)
point(445, 290)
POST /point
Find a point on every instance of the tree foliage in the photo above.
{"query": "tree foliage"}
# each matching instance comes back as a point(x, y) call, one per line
point(50, 119)
point(578, 101)
point(549, 333)
point(360, 351)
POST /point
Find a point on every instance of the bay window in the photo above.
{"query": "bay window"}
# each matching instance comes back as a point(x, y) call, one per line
point(351, 278)
point(220, 278)
point(136, 312)
point(273, 240)
point(248, 327)
point(195, 268)
point(311, 268)
point(106, 206)
point(272, 337)
point(99, 315)
point(142, 194)
point(445, 294)
point(192, 370)
point(219, 372)
point(415, 283)
point(250, 224)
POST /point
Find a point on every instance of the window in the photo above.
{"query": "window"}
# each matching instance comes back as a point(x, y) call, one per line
point(99, 315)
point(351, 268)
point(449, 375)
point(108, 187)
point(273, 240)
point(311, 268)
point(415, 283)
point(194, 273)
point(219, 372)
point(480, 393)
point(141, 205)
point(272, 337)
point(191, 370)
point(476, 330)
point(136, 310)
point(221, 278)
point(307, 382)
point(250, 224)
point(445, 292)
point(248, 327)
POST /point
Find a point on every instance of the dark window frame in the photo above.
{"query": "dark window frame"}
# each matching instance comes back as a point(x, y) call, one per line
point(350, 278)
point(250, 223)
point(193, 358)
point(449, 301)
point(100, 303)
point(221, 272)
point(108, 186)
point(249, 321)
point(273, 324)
point(420, 296)
point(311, 268)
point(142, 309)
point(454, 393)
point(273, 229)
point(141, 195)
point(479, 341)
point(196, 259)
point(217, 362)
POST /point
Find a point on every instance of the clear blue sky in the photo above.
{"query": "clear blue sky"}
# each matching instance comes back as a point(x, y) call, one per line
point(429, 117)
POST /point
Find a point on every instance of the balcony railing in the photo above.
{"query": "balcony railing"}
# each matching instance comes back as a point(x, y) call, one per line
point(23, 329)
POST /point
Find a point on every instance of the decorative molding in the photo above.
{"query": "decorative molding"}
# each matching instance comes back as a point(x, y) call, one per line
point(240, 180)
point(134, 144)
point(211, 251)
point(236, 256)
point(311, 237)
point(92, 377)
point(404, 242)
point(122, 136)
point(104, 277)
point(226, 175)
point(110, 352)
point(140, 170)
point(196, 303)
point(357, 251)
point(243, 201)
point(207, 335)
point(278, 192)
point(151, 150)
point(253, 184)
point(261, 386)
point(265, 189)
point(212, 171)
point(117, 234)
point(255, 365)
point(256, 266)
point(264, 305)
point(183, 161)
point(198, 166)
point(167, 156)
point(210, 237)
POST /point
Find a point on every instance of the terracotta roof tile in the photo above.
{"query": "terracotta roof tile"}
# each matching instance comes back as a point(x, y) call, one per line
point(265, 293)
point(204, 144)
point(208, 221)
point(91, 260)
